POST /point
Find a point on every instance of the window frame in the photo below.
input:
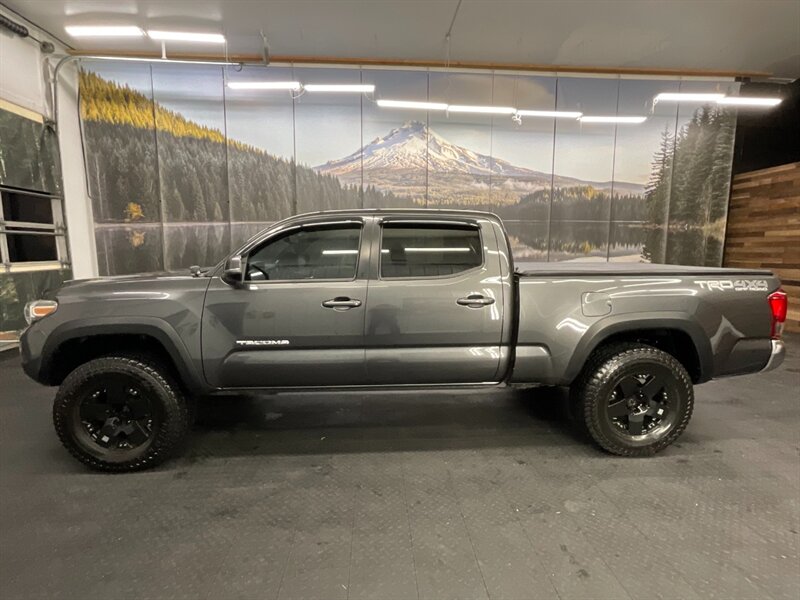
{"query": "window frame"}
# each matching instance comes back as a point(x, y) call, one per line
point(292, 229)
point(440, 223)
point(57, 230)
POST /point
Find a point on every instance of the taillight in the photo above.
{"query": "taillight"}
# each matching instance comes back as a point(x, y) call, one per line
point(779, 304)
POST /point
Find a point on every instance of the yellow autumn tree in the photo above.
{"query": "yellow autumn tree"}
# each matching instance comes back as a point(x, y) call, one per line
point(133, 211)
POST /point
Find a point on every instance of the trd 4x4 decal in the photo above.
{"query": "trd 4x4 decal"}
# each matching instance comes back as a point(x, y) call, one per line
point(736, 285)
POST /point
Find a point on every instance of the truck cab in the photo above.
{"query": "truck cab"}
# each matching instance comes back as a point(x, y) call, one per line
point(362, 299)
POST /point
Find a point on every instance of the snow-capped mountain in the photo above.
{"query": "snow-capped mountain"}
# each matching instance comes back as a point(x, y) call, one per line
point(413, 146)
point(393, 163)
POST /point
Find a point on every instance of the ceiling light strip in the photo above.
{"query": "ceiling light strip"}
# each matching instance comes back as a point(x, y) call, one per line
point(687, 97)
point(265, 85)
point(159, 60)
point(186, 36)
point(487, 110)
point(104, 31)
point(338, 87)
point(749, 101)
point(553, 114)
point(632, 120)
point(412, 104)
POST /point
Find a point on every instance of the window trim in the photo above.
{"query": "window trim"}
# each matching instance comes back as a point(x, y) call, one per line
point(57, 230)
point(290, 230)
point(432, 224)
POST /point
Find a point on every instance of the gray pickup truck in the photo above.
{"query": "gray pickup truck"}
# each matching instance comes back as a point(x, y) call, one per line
point(393, 298)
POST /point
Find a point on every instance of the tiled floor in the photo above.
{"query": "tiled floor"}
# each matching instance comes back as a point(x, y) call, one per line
point(411, 495)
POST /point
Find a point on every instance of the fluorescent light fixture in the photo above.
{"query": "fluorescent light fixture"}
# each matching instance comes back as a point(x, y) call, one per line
point(557, 114)
point(749, 101)
point(610, 119)
point(161, 60)
point(412, 104)
point(436, 249)
point(104, 31)
point(354, 87)
point(340, 252)
point(186, 36)
point(488, 110)
point(264, 85)
point(687, 97)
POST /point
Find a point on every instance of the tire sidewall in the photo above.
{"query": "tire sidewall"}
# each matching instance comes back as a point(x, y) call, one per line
point(600, 387)
point(170, 425)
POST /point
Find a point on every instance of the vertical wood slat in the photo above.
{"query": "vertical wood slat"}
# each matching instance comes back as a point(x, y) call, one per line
point(764, 228)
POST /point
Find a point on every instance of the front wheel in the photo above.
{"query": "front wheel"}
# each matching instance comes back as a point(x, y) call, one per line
point(119, 413)
point(634, 400)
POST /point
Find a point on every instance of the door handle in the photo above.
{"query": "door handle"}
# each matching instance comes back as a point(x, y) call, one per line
point(341, 303)
point(475, 301)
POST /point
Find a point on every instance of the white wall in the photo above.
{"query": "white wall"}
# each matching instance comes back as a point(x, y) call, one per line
point(24, 77)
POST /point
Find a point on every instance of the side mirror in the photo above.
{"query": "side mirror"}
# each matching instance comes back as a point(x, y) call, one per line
point(232, 271)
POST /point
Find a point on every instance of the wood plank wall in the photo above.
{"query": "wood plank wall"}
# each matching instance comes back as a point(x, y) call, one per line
point(764, 228)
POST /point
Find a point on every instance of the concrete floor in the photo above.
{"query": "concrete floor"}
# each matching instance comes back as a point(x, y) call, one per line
point(411, 495)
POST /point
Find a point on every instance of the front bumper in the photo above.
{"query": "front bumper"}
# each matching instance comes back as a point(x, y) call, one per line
point(776, 356)
point(30, 349)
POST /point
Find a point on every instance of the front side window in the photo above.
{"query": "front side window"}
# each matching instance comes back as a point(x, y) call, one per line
point(418, 250)
point(329, 252)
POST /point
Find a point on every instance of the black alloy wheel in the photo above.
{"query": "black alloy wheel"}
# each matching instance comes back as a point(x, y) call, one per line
point(640, 402)
point(121, 413)
point(117, 414)
point(633, 399)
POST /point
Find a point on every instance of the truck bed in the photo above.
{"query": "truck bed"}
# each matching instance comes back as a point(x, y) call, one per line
point(549, 269)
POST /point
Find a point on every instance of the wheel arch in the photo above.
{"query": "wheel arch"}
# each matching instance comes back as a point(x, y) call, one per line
point(73, 343)
point(675, 333)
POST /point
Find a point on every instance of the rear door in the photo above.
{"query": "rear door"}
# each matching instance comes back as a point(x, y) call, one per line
point(435, 311)
point(297, 319)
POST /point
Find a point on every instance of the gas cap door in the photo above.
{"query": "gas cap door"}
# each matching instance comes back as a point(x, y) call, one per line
point(595, 304)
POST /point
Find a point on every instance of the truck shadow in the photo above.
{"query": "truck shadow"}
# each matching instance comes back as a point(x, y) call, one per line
point(331, 423)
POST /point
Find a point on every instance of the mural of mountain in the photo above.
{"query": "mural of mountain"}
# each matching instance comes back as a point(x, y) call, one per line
point(168, 192)
point(388, 161)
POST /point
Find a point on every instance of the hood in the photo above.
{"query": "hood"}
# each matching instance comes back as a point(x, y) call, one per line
point(149, 284)
point(163, 275)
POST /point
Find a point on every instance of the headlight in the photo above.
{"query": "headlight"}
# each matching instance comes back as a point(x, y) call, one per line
point(38, 309)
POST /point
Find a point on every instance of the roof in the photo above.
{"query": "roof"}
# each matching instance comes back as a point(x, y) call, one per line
point(400, 211)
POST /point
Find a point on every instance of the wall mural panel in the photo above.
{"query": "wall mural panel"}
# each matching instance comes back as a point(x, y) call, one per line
point(394, 142)
point(327, 141)
point(28, 154)
point(261, 171)
point(182, 166)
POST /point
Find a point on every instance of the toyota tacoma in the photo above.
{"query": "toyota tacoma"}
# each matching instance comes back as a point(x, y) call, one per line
point(386, 299)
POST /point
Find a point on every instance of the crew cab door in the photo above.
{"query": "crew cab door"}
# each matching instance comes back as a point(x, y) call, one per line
point(435, 312)
point(296, 318)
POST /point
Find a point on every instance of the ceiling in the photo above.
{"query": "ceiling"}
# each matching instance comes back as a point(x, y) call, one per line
point(715, 35)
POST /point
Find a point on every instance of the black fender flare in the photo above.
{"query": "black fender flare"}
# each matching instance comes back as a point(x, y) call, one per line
point(613, 325)
point(153, 327)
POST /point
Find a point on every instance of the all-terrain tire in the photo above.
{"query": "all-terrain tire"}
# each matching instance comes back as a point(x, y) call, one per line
point(164, 395)
point(595, 389)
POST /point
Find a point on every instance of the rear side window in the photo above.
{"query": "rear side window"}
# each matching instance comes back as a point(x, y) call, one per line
point(308, 253)
point(417, 250)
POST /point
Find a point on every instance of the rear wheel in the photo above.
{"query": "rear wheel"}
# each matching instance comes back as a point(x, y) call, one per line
point(120, 414)
point(634, 400)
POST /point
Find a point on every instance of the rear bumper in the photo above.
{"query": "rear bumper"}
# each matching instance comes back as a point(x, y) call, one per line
point(776, 356)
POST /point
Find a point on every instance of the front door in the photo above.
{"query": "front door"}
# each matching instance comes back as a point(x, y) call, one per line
point(435, 311)
point(297, 319)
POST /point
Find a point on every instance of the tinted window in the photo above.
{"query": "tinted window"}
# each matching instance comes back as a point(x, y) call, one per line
point(31, 247)
point(28, 208)
point(422, 251)
point(309, 253)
